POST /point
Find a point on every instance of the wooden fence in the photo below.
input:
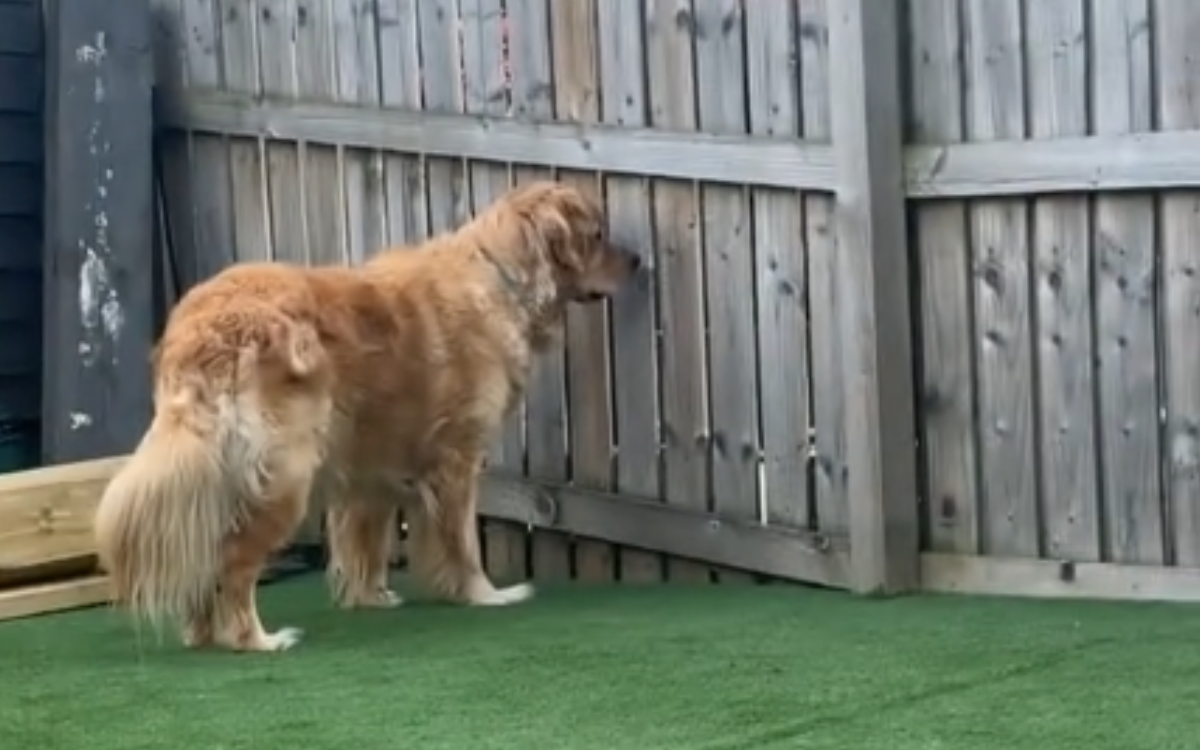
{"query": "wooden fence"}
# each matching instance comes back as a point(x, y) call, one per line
point(967, 362)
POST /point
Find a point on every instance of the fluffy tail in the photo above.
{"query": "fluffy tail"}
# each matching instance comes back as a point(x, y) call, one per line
point(209, 462)
point(162, 521)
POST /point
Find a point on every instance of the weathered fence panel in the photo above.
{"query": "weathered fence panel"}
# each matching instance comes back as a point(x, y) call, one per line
point(1057, 359)
point(660, 395)
point(749, 405)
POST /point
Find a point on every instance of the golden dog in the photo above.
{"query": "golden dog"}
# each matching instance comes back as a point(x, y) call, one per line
point(369, 386)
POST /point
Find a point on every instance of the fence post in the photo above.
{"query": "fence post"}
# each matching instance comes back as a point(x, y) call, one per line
point(874, 313)
point(99, 251)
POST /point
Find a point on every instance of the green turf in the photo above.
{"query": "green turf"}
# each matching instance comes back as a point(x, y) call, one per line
point(713, 668)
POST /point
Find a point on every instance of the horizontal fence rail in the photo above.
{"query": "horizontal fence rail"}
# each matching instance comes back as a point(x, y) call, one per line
point(617, 150)
point(1101, 163)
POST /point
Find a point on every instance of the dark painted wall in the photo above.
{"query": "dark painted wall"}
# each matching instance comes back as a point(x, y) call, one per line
point(21, 158)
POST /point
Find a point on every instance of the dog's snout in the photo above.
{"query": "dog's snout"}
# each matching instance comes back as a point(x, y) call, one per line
point(635, 261)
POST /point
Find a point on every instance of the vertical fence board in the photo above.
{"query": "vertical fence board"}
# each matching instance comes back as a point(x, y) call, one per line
point(729, 270)
point(1177, 26)
point(947, 388)
point(173, 153)
point(779, 265)
point(1056, 40)
point(210, 175)
point(1126, 296)
point(634, 312)
point(532, 88)
point(400, 87)
point(276, 34)
point(252, 239)
point(670, 29)
point(356, 58)
point(441, 77)
point(831, 468)
point(320, 197)
point(875, 311)
point(1000, 242)
point(575, 58)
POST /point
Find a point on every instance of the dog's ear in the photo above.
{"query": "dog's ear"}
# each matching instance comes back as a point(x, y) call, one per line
point(556, 221)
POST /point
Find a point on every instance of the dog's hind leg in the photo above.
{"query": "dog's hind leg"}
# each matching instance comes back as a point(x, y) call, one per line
point(361, 534)
point(444, 538)
point(198, 626)
point(236, 624)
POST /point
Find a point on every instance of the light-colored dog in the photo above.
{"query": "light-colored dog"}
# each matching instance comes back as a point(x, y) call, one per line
point(372, 386)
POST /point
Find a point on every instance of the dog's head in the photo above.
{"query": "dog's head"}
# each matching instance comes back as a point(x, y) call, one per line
point(571, 231)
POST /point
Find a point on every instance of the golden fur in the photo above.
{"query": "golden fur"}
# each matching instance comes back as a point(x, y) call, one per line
point(369, 387)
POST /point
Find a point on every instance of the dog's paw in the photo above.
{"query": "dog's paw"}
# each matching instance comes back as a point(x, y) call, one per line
point(381, 599)
point(283, 639)
point(505, 596)
point(377, 599)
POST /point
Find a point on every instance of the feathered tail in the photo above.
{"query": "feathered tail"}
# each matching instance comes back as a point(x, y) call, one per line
point(162, 520)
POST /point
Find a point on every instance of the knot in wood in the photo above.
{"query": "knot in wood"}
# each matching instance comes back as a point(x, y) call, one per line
point(546, 508)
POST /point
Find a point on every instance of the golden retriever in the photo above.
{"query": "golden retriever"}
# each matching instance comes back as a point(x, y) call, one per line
point(372, 386)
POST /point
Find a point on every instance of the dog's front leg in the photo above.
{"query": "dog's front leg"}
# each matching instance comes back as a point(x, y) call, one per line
point(444, 537)
point(361, 534)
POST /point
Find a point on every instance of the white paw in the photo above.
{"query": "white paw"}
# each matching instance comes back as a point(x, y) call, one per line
point(282, 639)
point(387, 598)
point(505, 596)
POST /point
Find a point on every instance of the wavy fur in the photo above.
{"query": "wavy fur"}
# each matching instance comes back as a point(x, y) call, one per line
point(369, 388)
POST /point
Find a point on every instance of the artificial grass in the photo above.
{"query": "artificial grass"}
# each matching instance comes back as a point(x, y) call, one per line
point(622, 668)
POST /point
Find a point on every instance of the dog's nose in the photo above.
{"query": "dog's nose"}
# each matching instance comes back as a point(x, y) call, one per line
point(635, 261)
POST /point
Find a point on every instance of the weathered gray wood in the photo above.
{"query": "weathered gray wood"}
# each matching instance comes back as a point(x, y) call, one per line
point(647, 524)
point(531, 95)
point(1056, 58)
point(1178, 100)
point(781, 282)
point(99, 237)
point(323, 205)
point(876, 330)
point(947, 389)
point(276, 39)
point(209, 155)
point(670, 28)
point(1018, 576)
point(399, 56)
point(576, 87)
point(1104, 162)
point(1000, 244)
point(441, 72)
point(251, 224)
point(177, 239)
point(622, 96)
point(1123, 244)
point(735, 447)
point(828, 284)
point(635, 151)
point(356, 62)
